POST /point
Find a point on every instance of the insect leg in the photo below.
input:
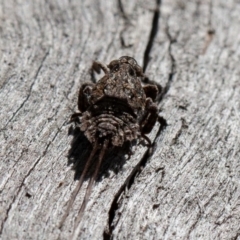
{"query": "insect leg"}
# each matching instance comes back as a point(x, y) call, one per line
point(97, 66)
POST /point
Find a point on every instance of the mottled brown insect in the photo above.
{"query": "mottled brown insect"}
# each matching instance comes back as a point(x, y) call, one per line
point(115, 110)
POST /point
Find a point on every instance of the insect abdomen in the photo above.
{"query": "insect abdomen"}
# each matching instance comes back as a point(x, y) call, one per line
point(118, 129)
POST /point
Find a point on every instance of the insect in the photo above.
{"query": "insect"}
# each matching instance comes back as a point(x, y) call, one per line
point(115, 110)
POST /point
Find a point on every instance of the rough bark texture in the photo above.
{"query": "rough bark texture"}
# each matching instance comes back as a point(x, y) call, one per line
point(189, 187)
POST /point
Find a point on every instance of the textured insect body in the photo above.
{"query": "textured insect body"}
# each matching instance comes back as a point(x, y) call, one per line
point(115, 110)
point(116, 106)
point(110, 124)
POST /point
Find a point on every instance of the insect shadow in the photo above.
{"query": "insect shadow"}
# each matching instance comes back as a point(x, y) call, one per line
point(81, 148)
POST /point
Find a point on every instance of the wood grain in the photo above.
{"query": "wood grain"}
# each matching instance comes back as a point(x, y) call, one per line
point(189, 187)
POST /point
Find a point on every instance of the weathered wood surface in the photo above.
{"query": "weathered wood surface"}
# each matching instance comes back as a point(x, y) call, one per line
point(190, 187)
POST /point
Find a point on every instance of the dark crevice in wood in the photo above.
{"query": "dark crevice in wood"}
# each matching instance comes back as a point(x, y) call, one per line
point(28, 195)
point(126, 24)
point(148, 153)
point(173, 65)
point(107, 235)
point(16, 162)
point(211, 30)
point(140, 166)
point(128, 183)
point(17, 193)
point(183, 127)
point(152, 36)
point(114, 205)
point(121, 10)
point(193, 226)
point(131, 178)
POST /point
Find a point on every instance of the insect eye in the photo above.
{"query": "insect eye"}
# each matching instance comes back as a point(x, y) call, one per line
point(87, 91)
point(131, 72)
point(115, 68)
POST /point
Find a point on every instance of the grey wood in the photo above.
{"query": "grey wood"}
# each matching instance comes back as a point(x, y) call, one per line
point(187, 186)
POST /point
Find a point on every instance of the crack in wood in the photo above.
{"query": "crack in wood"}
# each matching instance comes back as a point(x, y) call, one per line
point(24, 179)
point(121, 10)
point(173, 65)
point(163, 124)
point(206, 82)
point(152, 35)
point(192, 227)
point(127, 23)
point(30, 90)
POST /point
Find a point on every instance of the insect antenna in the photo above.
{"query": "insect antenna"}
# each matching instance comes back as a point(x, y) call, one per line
point(78, 187)
point(91, 182)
